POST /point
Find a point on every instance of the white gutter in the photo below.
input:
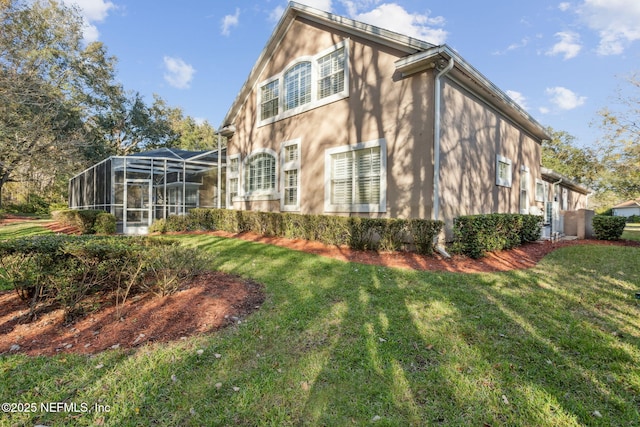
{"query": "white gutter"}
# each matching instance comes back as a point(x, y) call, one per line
point(435, 211)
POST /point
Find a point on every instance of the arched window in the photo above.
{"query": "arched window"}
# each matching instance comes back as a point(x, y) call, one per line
point(297, 85)
point(260, 172)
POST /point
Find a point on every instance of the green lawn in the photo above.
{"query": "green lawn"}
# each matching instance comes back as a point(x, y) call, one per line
point(339, 343)
point(631, 232)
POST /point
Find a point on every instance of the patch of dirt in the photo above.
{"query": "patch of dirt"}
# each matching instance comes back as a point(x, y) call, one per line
point(213, 300)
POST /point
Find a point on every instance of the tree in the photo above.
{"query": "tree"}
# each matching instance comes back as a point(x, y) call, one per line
point(620, 144)
point(191, 134)
point(46, 80)
point(562, 155)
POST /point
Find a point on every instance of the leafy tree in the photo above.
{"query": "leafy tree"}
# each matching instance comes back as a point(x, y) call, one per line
point(561, 154)
point(191, 134)
point(46, 78)
point(621, 141)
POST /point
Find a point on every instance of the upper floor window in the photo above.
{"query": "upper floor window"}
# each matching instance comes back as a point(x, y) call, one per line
point(331, 73)
point(297, 85)
point(307, 83)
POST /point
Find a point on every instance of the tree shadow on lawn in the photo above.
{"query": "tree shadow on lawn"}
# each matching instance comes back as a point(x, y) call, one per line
point(337, 343)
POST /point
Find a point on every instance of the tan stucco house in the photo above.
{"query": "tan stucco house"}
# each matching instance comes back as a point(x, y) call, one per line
point(340, 117)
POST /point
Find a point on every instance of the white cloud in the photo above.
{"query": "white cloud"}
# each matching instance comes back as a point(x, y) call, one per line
point(564, 6)
point(616, 21)
point(564, 98)
point(324, 5)
point(513, 46)
point(395, 18)
point(569, 45)
point(179, 74)
point(518, 97)
point(230, 21)
point(92, 11)
point(544, 110)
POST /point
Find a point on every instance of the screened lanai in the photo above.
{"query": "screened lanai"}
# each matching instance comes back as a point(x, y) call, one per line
point(143, 187)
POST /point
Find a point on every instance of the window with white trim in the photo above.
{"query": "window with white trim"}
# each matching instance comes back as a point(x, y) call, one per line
point(355, 178)
point(290, 180)
point(306, 83)
point(541, 190)
point(331, 73)
point(503, 171)
point(297, 85)
point(233, 177)
point(524, 190)
point(269, 95)
point(260, 173)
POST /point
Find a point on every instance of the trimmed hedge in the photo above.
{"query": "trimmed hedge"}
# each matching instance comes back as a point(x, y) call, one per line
point(633, 219)
point(608, 227)
point(475, 235)
point(355, 232)
point(86, 220)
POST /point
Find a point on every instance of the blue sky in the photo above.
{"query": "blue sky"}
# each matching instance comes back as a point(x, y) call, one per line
point(562, 61)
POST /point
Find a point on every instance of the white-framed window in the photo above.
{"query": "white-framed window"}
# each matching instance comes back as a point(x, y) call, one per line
point(270, 99)
point(541, 190)
point(233, 178)
point(503, 171)
point(331, 73)
point(297, 85)
point(260, 173)
point(305, 83)
point(290, 175)
point(356, 177)
point(524, 190)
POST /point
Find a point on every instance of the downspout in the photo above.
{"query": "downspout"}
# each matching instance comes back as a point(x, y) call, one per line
point(557, 198)
point(435, 212)
point(219, 190)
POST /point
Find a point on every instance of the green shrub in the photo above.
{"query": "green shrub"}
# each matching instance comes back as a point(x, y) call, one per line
point(633, 219)
point(65, 270)
point(608, 227)
point(105, 224)
point(423, 233)
point(475, 235)
point(84, 220)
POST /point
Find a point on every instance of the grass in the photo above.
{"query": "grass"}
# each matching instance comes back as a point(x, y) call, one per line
point(340, 343)
point(631, 232)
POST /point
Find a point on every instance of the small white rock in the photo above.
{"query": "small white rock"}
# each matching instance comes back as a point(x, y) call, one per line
point(100, 366)
point(376, 418)
point(218, 385)
point(382, 340)
point(217, 355)
point(174, 378)
point(192, 411)
point(115, 346)
point(236, 389)
point(14, 347)
point(199, 352)
point(596, 414)
point(505, 400)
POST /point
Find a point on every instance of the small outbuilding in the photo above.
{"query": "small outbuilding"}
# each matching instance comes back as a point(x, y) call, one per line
point(627, 209)
point(147, 186)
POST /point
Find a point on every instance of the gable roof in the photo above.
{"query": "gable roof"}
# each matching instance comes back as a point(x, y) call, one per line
point(420, 56)
point(628, 204)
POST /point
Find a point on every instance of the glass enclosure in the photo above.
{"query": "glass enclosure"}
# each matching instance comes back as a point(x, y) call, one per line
point(143, 187)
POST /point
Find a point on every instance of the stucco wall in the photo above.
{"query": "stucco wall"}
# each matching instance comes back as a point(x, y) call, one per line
point(473, 134)
point(379, 106)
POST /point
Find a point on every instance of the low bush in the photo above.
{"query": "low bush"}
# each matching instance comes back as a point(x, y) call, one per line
point(475, 235)
point(634, 219)
point(105, 224)
point(608, 227)
point(84, 220)
point(65, 270)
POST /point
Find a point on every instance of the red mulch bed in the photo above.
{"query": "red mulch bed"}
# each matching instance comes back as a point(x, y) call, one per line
point(212, 300)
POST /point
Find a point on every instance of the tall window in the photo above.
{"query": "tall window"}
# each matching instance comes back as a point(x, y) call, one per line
point(356, 178)
point(331, 73)
point(524, 190)
point(260, 173)
point(269, 99)
point(290, 156)
point(233, 175)
point(297, 85)
point(503, 171)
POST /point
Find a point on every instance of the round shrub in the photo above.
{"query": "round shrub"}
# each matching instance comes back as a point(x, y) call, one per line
point(105, 224)
point(608, 227)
